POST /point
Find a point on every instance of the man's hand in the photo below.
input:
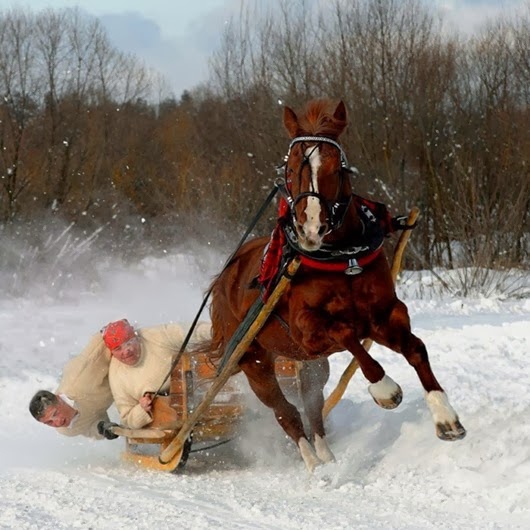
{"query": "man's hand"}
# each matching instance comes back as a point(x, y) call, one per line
point(146, 401)
point(105, 429)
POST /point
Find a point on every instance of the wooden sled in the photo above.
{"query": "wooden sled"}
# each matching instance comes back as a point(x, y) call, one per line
point(190, 380)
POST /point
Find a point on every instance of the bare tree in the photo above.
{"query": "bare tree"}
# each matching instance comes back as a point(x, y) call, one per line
point(19, 92)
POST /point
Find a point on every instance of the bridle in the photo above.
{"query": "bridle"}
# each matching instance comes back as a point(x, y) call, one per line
point(335, 209)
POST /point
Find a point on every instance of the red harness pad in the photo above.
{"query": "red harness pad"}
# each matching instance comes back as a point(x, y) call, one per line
point(272, 255)
point(270, 263)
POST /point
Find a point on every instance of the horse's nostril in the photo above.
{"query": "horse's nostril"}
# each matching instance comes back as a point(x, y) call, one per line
point(323, 229)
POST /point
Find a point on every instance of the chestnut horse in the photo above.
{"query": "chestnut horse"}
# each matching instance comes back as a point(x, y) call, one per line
point(323, 311)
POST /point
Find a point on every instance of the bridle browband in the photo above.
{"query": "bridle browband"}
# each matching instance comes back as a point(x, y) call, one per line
point(320, 139)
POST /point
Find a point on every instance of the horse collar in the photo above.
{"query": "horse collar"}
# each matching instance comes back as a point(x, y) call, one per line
point(352, 259)
point(350, 267)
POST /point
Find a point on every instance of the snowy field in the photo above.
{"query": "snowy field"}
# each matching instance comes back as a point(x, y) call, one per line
point(391, 470)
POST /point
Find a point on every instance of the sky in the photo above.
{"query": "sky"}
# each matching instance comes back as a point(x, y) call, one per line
point(177, 37)
point(391, 471)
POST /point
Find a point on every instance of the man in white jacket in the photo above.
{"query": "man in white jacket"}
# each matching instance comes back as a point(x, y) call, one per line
point(83, 395)
point(118, 364)
point(141, 362)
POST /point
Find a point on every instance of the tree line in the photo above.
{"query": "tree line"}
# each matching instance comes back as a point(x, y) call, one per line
point(437, 120)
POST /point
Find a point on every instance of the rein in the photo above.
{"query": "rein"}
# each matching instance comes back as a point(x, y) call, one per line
point(209, 292)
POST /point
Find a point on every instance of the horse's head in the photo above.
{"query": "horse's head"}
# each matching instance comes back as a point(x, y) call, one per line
point(316, 180)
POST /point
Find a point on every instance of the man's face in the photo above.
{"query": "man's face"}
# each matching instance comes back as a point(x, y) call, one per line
point(58, 415)
point(128, 352)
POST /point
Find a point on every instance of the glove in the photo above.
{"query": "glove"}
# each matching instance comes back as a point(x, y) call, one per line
point(105, 429)
point(400, 223)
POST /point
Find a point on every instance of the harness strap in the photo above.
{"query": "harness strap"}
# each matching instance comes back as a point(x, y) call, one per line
point(209, 292)
point(351, 266)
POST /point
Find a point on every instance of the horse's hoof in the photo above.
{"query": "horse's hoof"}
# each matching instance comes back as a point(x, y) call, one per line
point(450, 432)
point(386, 393)
point(391, 403)
point(309, 456)
point(322, 450)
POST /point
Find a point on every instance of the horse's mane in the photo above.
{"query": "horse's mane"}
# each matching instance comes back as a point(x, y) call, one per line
point(318, 119)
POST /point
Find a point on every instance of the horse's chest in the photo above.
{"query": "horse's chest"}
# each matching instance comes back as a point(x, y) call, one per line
point(331, 298)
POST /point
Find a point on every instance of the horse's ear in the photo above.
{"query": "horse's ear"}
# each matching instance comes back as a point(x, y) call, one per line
point(290, 121)
point(340, 113)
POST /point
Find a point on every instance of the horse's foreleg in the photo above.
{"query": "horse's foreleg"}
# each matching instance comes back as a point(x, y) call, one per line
point(313, 377)
point(263, 382)
point(396, 334)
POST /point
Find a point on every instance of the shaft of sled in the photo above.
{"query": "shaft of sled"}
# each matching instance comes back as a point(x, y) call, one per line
point(177, 443)
point(350, 370)
point(402, 243)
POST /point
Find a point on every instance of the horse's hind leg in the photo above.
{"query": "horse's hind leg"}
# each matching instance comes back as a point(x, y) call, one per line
point(396, 334)
point(313, 377)
point(259, 370)
point(383, 389)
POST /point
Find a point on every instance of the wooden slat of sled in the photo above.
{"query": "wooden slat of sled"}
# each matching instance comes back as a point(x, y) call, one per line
point(147, 434)
point(146, 461)
point(152, 461)
point(221, 410)
point(215, 431)
point(163, 412)
point(285, 368)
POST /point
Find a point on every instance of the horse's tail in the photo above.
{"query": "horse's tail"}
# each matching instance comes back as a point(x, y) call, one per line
point(215, 347)
point(212, 345)
point(210, 348)
point(220, 303)
point(200, 354)
point(217, 344)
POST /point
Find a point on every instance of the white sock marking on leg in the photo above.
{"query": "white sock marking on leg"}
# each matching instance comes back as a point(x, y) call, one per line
point(384, 389)
point(322, 449)
point(308, 454)
point(440, 408)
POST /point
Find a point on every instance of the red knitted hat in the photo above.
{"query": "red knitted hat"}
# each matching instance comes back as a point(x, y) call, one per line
point(116, 333)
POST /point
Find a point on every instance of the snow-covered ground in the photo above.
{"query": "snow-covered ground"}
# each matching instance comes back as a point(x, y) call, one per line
point(391, 470)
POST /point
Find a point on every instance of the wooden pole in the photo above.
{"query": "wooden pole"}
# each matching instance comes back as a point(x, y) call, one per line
point(350, 370)
point(177, 443)
point(154, 434)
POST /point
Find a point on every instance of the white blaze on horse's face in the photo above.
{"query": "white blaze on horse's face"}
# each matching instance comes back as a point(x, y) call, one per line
point(312, 231)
